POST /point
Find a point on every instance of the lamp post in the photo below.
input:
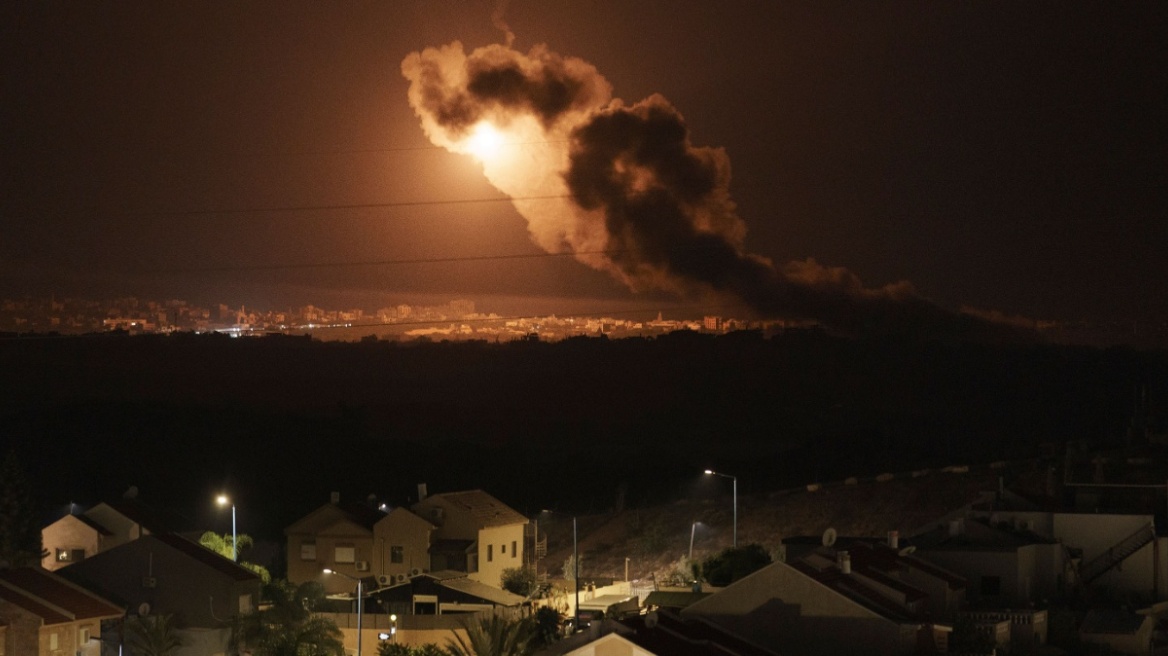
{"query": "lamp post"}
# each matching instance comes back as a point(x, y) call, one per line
point(734, 479)
point(692, 529)
point(575, 569)
point(360, 598)
point(223, 501)
point(576, 577)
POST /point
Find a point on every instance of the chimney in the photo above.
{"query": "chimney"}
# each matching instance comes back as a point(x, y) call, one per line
point(334, 497)
point(894, 539)
point(844, 561)
point(422, 492)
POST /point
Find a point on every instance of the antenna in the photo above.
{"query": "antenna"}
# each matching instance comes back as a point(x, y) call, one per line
point(829, 537)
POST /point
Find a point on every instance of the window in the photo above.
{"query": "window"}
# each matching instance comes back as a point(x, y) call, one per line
point(490, 552)
point(54, 642)
point(503, 548)
point(514, 551)
point(991, 586)
point(307, 551)
point(345, 553)
point(397, 554)
point(70, 555)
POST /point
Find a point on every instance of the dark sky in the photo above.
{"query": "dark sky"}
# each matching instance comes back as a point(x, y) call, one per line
point(1001, 155)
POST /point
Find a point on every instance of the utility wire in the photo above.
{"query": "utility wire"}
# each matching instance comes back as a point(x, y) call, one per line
point(350, 206)
point(425, 260)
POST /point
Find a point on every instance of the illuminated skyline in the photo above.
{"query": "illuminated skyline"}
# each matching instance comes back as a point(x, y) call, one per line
point(996, 156)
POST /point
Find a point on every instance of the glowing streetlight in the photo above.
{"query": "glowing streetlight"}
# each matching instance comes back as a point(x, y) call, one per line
point(360, 598)
point(735, 480)
point(223, 501)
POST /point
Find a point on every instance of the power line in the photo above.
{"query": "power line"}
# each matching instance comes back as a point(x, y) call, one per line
point(427, 260)
point(349, 206)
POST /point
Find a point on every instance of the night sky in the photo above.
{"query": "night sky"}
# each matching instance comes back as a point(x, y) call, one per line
point(1003, 156)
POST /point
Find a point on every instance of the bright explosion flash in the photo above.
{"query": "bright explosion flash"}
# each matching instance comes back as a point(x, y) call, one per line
point(622, 186)
point(486, 142)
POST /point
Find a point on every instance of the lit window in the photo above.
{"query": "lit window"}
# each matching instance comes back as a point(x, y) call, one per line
point(345, 553)
point(396, 554)
point(70, 555)
point(308, 551)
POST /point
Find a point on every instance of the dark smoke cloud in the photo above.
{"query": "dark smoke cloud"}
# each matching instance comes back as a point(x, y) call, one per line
point(637, 187)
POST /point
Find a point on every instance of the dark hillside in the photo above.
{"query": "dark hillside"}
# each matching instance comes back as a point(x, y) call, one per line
point(573, 424)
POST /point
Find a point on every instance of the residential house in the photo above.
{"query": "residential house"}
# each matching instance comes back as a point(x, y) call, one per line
point(43, 614)
point(440, 593)
point(402, 546)
point(1122, 552)
point(169, 574)
point(335, 536)
point(104, 526)
point(870, 598)
point(70, 539)
point(1007, 564)
point(474, 533)
point(657, 633)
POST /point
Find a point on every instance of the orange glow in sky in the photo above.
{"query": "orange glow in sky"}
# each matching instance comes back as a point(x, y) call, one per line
point(486, 142)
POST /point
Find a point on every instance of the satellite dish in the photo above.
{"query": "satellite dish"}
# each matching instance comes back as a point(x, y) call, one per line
point(144, 608)
point(829, 537)
point(651, 619)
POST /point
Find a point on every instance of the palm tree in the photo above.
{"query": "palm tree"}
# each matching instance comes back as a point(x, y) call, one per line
point(495, 636)
point(152, 636)
point(288, 627)
point(222, 545)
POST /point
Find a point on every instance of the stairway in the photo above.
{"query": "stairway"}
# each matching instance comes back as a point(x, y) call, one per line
point(1116, 554)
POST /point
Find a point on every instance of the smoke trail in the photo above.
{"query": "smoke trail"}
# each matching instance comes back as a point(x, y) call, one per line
point(631, 183)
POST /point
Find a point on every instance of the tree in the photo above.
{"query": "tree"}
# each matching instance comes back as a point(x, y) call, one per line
point(222, 545)
point(519, 580)
point(288, 626)
point(495, 635)
point(735, 563)
point(152, 636)
point(20, 532)
point(547, 625)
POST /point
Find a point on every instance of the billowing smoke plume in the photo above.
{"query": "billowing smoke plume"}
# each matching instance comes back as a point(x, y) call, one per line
point(623, 187)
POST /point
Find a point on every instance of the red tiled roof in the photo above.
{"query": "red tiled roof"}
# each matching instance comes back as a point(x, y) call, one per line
point(488, 510)
point(206, 557)
point(53, 598)
point(677, 636)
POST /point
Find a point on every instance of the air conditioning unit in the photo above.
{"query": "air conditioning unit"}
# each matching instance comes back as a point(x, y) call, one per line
point(384, 579)
point(401, 578)
point(149, 582)
point(415, 571)
point(362, 565)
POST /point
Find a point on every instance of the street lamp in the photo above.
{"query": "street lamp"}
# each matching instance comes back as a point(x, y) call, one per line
point(360, 598)
point(576, 569)
point(223, 501)
point(692, 529)
point(735, 480)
